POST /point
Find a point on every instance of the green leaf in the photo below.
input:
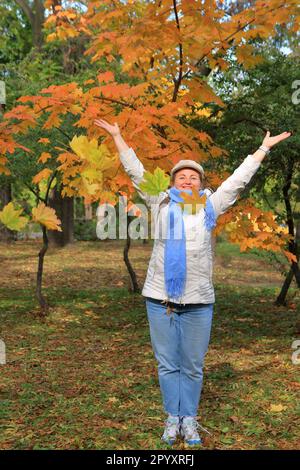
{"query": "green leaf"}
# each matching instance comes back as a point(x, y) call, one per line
point(155, 183)
point(225, 429)
point(227, 440)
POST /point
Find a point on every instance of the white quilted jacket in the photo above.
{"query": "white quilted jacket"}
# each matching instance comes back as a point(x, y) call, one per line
point(199, 252)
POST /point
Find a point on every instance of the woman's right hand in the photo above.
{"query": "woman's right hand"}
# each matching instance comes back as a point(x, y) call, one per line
point(113, 130)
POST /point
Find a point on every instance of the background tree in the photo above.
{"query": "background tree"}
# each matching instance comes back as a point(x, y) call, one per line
point(26, 72)
point(35, 12)
point(15, 32)
point(257, 100)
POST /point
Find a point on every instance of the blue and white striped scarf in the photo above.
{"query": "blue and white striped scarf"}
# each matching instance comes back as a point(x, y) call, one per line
point(175, 244)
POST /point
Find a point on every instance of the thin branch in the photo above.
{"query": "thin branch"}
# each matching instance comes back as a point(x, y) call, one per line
point(63, 132)
point(240, 28)
point(116, 101)
point(35, 193)
point(178, 81)
point(268, 202)
point(49, 186)
point(251, 121)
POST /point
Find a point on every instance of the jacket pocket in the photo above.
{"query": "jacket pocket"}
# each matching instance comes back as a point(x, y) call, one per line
point(198, 264)
point(193, 264)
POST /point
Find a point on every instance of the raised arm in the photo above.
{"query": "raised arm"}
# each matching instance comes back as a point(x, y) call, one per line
point(132, 165)
point(226, 194)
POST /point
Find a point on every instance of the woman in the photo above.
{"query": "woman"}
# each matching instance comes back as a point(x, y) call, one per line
point(179, 277)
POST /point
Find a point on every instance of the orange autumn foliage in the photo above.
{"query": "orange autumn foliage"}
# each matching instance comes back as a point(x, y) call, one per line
point(162, 45)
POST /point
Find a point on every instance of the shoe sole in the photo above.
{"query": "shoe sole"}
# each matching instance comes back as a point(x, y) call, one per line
point(190, 442)
point(193, 442)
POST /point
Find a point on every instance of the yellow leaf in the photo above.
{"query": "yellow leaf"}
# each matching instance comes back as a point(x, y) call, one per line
point(89, 188)
point(192, 203)
point(277, 408)
point(113, 400)
point(108, 197)
point(46, 216)
point(89, 151)
point(96, 162)
point(75, 108)
point(10, 217)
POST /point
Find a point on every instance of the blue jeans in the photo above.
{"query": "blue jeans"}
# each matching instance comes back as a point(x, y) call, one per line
point(180, 341)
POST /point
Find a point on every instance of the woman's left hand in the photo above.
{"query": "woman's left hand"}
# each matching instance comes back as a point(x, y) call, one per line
point(271, 141)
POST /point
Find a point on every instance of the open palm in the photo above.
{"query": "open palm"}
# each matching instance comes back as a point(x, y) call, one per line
point(113, 130)
point(271, 141)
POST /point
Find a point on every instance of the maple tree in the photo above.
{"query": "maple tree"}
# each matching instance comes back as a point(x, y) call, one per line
point(13, 219)
point(165, 49)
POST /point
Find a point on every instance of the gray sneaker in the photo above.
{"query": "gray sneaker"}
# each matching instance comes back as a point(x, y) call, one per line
point(172, 429)
point(189, 430)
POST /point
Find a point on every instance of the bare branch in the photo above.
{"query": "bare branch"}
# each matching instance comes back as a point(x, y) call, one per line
point(178, 81)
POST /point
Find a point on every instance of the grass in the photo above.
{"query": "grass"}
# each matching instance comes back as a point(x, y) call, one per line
point(85, 377)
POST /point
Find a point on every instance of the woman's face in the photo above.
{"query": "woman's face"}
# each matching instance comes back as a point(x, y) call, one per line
point(187, 179)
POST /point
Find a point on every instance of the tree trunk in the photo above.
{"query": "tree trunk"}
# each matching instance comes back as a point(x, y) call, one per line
point(281, 299)
point(293, 245)
point(297, 251)
point(64, 208)
point(35, 12)
point(5, 197)
point(41, 299)
point(134, 284)
point(37, 26)
point(296, 271)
